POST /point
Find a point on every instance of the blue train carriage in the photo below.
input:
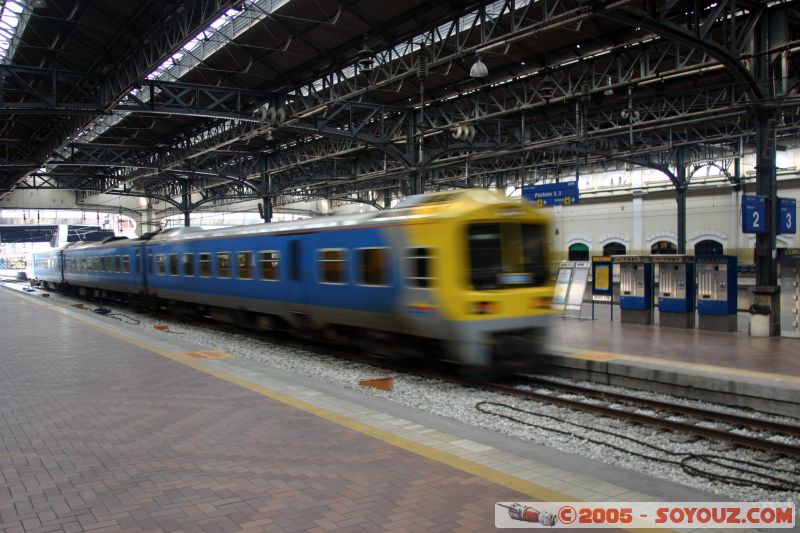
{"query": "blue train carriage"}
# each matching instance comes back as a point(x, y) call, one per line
point(46, 269)
point(112, 267)
point(297, 274)
point(465, 271)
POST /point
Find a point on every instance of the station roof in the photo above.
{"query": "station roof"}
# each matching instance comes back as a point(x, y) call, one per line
point(206, 102)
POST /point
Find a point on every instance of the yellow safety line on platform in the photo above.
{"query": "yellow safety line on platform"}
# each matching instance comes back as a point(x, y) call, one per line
point(525, 487)
point(593, 355)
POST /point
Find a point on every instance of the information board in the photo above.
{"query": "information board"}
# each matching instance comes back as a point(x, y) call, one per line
point(561, 193)
point(601, 279)
point(577, 288)
point(787, 215)
point(754, 210)
point(562, 284)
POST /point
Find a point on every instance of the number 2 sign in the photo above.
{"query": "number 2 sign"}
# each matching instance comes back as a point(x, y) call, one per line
point(753, 214)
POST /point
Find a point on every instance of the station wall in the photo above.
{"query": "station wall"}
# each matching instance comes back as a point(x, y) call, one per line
point(647, 217)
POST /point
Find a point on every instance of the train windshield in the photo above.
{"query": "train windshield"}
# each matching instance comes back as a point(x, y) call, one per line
point(506, 255)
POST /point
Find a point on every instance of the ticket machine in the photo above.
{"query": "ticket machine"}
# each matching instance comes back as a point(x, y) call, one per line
point(635, 288)
point(675, 290)
point(716, 292)
point(789, 263)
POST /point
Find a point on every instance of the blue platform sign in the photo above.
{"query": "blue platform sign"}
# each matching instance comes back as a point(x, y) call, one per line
point(754, 210)
point(562, 193)
point(787, 215)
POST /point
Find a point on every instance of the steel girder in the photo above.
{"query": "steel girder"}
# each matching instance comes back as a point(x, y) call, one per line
point(561, 109)
point(41, 90)
point(164, 38)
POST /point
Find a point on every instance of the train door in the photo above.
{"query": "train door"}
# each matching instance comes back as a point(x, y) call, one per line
point(139, 266)
point(297, 279)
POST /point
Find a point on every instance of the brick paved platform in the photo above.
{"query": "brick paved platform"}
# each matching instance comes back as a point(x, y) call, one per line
point(105, 430)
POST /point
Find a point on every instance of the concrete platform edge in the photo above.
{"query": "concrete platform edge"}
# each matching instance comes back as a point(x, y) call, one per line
point(777, 396)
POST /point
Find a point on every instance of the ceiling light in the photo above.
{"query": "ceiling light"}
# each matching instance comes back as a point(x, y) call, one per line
point(478, 69)
point(38, 4)
point(609, 91)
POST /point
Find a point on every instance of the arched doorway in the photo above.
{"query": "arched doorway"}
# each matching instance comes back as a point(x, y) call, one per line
point(708, 247)
point(663, 247)
point(614, 248)
point(578, 252)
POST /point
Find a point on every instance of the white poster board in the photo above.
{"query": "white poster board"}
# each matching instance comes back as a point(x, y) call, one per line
point(577, 288)
point(562, 284)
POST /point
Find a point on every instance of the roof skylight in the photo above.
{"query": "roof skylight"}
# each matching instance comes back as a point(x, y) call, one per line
point(10, 13)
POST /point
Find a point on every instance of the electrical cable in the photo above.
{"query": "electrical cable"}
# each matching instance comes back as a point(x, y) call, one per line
point(781, 483)
point(125, 318)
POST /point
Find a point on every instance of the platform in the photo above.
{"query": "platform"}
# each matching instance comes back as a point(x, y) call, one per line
point(105, 429)
point(761, 373)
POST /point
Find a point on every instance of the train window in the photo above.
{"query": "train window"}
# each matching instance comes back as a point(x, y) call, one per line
point(418, 264)
point(188, 264)
point(103, 264)
point(174, 266)
point(96, 264)
point(223, 265)
point(534, 244)
point(126, 263)
point(333, 265)
point(204, 261)
point(506, 255)
point(268, 262)
point(244, 265)
point(138, 262)
point(161, 264)
point(372, 266)
point(150, 263)
point(118, 264)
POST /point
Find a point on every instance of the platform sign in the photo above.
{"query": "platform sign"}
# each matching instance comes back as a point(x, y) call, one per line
point(601, 279)
point(562, 193)
point(754, 214)
point(787, 215)
point(562, 284)
point(577, 288)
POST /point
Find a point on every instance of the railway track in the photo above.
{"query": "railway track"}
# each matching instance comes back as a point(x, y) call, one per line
point(627, 407)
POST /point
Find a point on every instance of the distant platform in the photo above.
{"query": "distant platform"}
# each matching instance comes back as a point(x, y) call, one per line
point(731, 368)
point(13, 274)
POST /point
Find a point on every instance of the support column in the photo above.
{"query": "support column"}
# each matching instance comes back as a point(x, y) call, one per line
point(735, 231)
point(266, 208)
point(680, 189)
point(765, 319)
point(765, 316)
point(148, 224)
point(185, 203)
point(681, 198)
point(637, 239)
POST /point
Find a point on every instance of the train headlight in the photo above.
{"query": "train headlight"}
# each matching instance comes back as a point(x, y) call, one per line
point(540, 303)
point(484, 308)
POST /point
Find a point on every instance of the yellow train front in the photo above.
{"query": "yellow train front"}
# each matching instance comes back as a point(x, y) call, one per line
point(478, 280)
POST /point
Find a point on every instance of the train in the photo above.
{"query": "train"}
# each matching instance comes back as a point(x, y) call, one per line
point(460, 276)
